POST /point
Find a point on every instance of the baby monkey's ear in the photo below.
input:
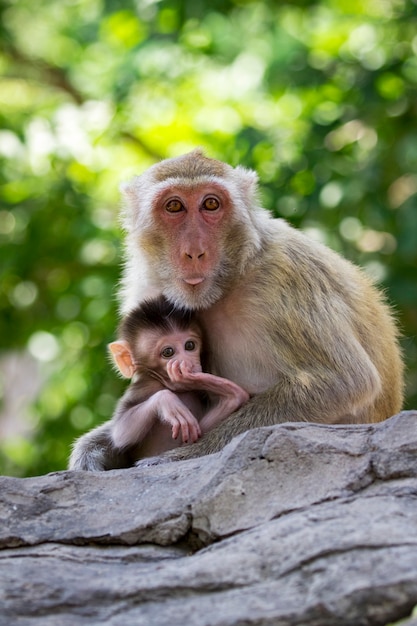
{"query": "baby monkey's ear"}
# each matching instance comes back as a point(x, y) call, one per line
point(122, 355)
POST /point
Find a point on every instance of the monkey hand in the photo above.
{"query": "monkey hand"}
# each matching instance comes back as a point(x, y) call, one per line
point(173, 412)
point(181, 376)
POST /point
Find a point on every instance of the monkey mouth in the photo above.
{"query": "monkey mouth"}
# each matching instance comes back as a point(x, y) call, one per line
point(194, 281)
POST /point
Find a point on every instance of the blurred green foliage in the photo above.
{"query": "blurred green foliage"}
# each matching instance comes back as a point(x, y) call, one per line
point(319, 97)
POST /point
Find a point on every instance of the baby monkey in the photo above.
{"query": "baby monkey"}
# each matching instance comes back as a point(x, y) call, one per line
point(170, 400)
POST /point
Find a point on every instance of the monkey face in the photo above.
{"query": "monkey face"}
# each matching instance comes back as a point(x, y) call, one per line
point(159, 351)
point(191, 224)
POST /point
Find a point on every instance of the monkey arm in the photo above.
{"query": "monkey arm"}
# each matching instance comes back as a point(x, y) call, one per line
point(225, 396)
point(132, 424)
point(326, 394)
point(109, 445)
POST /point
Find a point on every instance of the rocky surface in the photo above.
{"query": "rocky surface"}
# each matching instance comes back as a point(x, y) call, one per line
point(295, 524)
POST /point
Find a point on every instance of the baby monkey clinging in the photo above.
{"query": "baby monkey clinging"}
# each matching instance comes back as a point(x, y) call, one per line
point(170, 400)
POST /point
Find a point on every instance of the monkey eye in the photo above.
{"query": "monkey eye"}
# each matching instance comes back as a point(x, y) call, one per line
point(190, 345)
point(167, 352)
point(174, 206)
point(211, 204)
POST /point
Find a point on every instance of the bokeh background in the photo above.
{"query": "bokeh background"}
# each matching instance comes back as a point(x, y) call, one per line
point(319, 97)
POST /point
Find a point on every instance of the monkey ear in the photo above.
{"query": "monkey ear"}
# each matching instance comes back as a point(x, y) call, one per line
point(132, 202)
point(122, 355)
point(248, 179)
point(127, 188)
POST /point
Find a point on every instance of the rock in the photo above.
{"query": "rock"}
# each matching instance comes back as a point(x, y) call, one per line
point(294, 524)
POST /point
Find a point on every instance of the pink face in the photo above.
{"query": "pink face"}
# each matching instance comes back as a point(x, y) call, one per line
point(158, 349)
point(192, 221)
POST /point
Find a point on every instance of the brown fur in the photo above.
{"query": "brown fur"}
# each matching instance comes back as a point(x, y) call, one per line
point(169, 401)
point(193, 165)
point(301, 329)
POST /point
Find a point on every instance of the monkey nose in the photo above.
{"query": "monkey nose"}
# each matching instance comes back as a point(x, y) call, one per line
point(194, 256)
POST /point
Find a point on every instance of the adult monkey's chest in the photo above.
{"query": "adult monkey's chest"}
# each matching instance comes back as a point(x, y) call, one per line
point(238, 342)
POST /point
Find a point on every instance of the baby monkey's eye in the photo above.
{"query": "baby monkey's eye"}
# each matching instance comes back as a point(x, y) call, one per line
point(167, 352)
point(189, 345)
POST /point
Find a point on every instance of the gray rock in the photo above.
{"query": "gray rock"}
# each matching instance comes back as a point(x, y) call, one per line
point(300, 524)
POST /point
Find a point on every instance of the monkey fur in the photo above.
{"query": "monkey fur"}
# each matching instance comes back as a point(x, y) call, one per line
point(303, 330)
point(169, 401)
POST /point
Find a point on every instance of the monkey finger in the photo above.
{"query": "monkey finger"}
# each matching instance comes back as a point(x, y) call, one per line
point(184, 368)
point(190, 428)
point(170, 366)
point(174, 371)
point(183, 427)
point(194, 431)
point(175, 430)
point(179, 424)
point(198, 431)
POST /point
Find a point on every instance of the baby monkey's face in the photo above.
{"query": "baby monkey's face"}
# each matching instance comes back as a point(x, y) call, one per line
point(157, 350)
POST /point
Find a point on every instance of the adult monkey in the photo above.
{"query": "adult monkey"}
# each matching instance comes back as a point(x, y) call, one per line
point(287, 319)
